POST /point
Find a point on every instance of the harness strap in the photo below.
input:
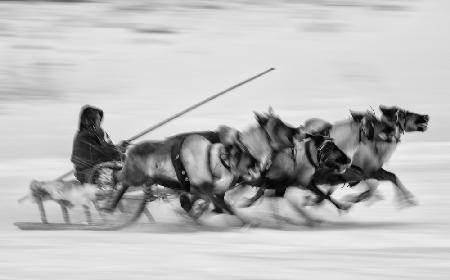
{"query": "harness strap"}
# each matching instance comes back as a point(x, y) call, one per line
point(308, 154)
point(360, 133)
point(243, 149)
point(294, 156)
point(241, 145)
point(178, 165)
point(224, 157)
point(208, 155)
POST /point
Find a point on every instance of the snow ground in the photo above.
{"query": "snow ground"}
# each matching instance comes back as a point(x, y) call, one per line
point(142, 61)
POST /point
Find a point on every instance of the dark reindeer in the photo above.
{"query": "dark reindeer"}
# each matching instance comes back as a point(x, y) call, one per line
point(190, 163)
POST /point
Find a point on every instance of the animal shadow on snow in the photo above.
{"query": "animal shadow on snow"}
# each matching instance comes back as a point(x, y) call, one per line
point(191, 227)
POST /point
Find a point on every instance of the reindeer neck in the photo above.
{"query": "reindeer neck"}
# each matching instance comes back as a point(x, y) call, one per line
point(304, 169)
point(306, 155)
point(384, 150)
point(254, 133)
point(255, 139)
point(372, 155)
point(346, 135)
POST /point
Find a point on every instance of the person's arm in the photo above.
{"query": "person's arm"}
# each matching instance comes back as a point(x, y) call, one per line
point(108, 149)
point(99, 150)
point(121, 146)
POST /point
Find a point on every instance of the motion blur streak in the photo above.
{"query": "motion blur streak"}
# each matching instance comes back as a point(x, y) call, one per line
point(142, 61)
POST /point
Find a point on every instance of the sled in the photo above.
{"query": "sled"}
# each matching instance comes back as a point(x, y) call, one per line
point(100, 226)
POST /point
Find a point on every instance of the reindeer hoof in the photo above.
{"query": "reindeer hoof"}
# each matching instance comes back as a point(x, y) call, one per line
point(343, 207)
point(407, 202)
point(413, 202)
point(410, 200)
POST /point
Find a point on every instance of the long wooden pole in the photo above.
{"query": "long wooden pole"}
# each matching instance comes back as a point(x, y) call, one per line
point(177, 115)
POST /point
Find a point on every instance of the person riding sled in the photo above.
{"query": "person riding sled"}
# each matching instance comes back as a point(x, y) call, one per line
point(92, 146)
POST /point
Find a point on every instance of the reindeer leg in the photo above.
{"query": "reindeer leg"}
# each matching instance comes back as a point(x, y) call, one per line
point(149, 215)
point(257, 196)
point(116, 199)
point(276, 211)
point(65, 213)
point(341, 206)
point(310, 221)
point(87, 212)
point(41, 209)
point(402, 191)
point(185, 202)
point(375, 195)
point(219, 201)
point(100, 212)
point(217, 208)
point(279, 193)
point(360, 197)
point(366, 195)
point(121, 207)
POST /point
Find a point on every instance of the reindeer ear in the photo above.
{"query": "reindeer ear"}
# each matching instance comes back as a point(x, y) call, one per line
point(316, 138)
point(271, 111)
point(383, 107)
point(357, 116)
point(227, 135)
point(297, 131)
point(388, 111)
point(261, 119)
point(301, 133)
point(371, 130)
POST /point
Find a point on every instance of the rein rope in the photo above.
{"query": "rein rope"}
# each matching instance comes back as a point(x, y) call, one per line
point(308, 154)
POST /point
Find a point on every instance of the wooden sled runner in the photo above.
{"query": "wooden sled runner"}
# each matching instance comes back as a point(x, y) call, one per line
point(104, 226)
point(55, 226)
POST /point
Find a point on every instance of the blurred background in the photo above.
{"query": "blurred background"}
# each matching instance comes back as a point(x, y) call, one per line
point(144, 60)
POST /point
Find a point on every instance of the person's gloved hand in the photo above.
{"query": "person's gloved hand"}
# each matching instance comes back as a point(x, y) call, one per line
point(123, 145)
